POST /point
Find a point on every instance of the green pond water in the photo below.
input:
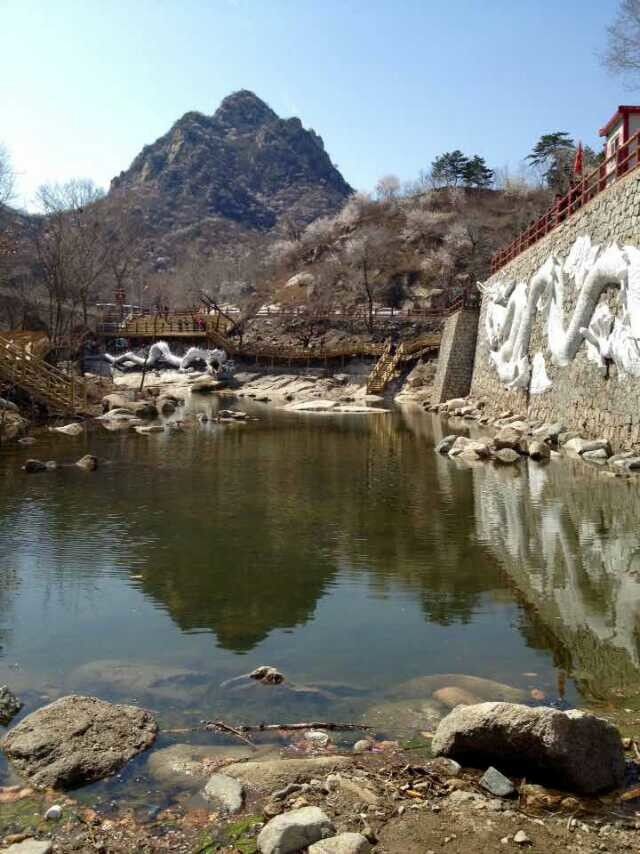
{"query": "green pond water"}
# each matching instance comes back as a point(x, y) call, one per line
point(340, 549)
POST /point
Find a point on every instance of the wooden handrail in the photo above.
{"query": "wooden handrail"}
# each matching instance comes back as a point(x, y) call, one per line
point(54, 387)
point(614, 167)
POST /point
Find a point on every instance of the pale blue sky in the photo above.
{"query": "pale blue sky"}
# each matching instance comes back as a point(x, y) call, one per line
point(388, 84)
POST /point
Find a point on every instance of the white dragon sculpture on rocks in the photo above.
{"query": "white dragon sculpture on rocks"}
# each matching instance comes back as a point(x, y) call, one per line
point(589, 270)
point(160, 355)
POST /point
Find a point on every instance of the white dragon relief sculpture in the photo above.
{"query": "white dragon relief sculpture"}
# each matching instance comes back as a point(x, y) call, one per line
point(589, 270)
point(214, 361)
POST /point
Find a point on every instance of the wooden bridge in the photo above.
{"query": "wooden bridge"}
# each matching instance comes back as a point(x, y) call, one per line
point(212, 328)
point(60, 392)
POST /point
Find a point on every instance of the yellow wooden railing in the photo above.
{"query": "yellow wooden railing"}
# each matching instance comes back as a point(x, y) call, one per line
point(387, 365)
point(59, 391)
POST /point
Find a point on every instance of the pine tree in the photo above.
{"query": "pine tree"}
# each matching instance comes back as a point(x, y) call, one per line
point(476, 173)
point(448, 169)
point(553, 156)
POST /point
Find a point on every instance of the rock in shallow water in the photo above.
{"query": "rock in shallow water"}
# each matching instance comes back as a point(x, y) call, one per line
point(34, 466)
point(574, 749)
point(404, 718)
point(483, 689)
point(76, 740)
point(538, 451)
point(507, 456)
point(271, 774)
point(445, 445)
point(184, 766)
point(10, 705)
point(294, 831)
point(225, 792)
point(88, 462)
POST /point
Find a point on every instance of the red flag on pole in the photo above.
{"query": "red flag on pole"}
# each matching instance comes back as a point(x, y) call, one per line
point(578, 163)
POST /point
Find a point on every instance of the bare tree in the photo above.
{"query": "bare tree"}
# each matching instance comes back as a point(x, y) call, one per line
point(369, 257)
point(7, 176)
point(122, 235)
point(71, 250)
point(388, 188)
point(622, 54)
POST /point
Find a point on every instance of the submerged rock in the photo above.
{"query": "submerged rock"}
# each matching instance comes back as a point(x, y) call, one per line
point(578, 445)
point(88, 463)
point(274, 773)
point(34, 466)
point(507, 456)
point(76, 740)
point(483, 689)
point(188, 765)
point(576, 750)
point(140, 679)
point(294, 831)
point(445, 445)
point(538, 450)
point(68, 430)
point(152, 428)
point(453, 696)
point(508, 437)
point(10, 705)
point(599, 456)
point(225, 792)
point(404, 718)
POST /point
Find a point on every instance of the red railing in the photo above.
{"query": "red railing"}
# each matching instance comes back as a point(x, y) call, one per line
point(618, 164)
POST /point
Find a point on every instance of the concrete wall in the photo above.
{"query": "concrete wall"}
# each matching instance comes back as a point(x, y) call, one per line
point(584, 396)
point(455, 359)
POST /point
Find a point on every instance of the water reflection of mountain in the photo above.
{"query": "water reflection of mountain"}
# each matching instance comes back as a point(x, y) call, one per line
point(253, 535)
point(568, 539)
point(257, 536)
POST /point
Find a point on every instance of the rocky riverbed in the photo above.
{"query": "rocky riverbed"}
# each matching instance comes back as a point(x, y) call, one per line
point(308, 791)
point(512, 437)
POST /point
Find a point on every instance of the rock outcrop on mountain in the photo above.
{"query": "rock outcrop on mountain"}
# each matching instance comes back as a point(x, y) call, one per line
point(243, 166)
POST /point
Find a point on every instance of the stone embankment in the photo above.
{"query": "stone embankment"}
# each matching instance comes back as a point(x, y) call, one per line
point(513, 438)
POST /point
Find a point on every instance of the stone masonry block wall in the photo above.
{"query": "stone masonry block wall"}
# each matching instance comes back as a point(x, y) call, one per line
point(455, 360)
point(583, 396)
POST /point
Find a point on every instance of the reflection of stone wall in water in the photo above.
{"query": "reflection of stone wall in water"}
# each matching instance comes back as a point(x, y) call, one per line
point(8, 587)
point(559, 326)
point(570, 544)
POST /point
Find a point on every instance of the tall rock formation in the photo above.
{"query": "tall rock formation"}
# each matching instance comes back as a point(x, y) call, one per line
point(242, 167)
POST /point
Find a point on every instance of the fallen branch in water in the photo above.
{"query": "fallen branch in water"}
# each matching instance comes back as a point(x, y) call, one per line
point(271, 727)
point(221, 726)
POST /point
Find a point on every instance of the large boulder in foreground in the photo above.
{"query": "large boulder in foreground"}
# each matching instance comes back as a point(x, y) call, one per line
point(573, 750)
point(76, 740)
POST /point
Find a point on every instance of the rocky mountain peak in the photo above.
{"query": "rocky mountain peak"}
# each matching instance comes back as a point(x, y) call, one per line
point(243, 111)
point(241, 171)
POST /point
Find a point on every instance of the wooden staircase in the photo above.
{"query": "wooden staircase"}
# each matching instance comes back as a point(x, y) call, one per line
point(390, 359)
point(60, 392)
point(383, 369)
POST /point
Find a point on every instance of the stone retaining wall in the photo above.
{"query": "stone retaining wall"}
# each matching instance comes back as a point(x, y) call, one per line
point(455, 359)
point(596, 401)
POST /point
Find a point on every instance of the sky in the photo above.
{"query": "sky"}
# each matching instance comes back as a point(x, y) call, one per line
point(388, 84)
